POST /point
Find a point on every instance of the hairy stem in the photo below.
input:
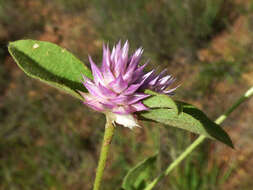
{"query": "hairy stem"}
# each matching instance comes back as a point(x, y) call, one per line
point(199, 140)
point(109, 130)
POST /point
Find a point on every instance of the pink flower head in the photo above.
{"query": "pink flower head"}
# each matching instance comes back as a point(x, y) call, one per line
point(118, 86)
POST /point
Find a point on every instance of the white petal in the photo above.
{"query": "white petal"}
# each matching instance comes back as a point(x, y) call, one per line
point(125, 120)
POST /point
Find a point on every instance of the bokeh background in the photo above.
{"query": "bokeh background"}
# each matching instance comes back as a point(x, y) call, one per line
point(49, 140)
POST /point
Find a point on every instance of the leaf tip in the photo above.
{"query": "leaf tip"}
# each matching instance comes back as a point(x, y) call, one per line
point(10, 44)
point(230, 144)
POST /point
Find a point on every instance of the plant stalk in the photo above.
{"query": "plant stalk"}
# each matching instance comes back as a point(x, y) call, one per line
point(199, 140)
point(109, 131)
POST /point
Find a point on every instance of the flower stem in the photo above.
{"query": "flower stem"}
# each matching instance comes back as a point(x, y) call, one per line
point(199, 140)
point(109, 131)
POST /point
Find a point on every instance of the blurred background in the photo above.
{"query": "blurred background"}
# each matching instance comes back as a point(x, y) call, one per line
point(49, 140)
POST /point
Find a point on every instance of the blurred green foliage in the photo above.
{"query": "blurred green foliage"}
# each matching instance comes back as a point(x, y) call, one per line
point(19, 20)
point(196, 173)
point(211, 73)
point(161, 27)
point(73, 6)
point(37, 149)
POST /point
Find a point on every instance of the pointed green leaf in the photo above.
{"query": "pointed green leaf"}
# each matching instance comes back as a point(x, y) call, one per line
point(191, 119)
point(50, 64)
point(137, 177)
point(157, 100)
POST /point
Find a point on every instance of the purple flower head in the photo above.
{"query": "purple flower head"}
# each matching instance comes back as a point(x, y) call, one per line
point(117, 87)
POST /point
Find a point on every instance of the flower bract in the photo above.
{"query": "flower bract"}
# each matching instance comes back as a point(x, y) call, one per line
point(118, 86)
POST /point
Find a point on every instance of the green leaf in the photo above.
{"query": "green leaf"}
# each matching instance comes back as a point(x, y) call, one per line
point(137, 177)
point(50, 64)
point(191, 119)
point(159, 101)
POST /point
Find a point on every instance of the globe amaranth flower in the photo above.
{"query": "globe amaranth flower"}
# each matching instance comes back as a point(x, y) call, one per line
point(117, 87)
